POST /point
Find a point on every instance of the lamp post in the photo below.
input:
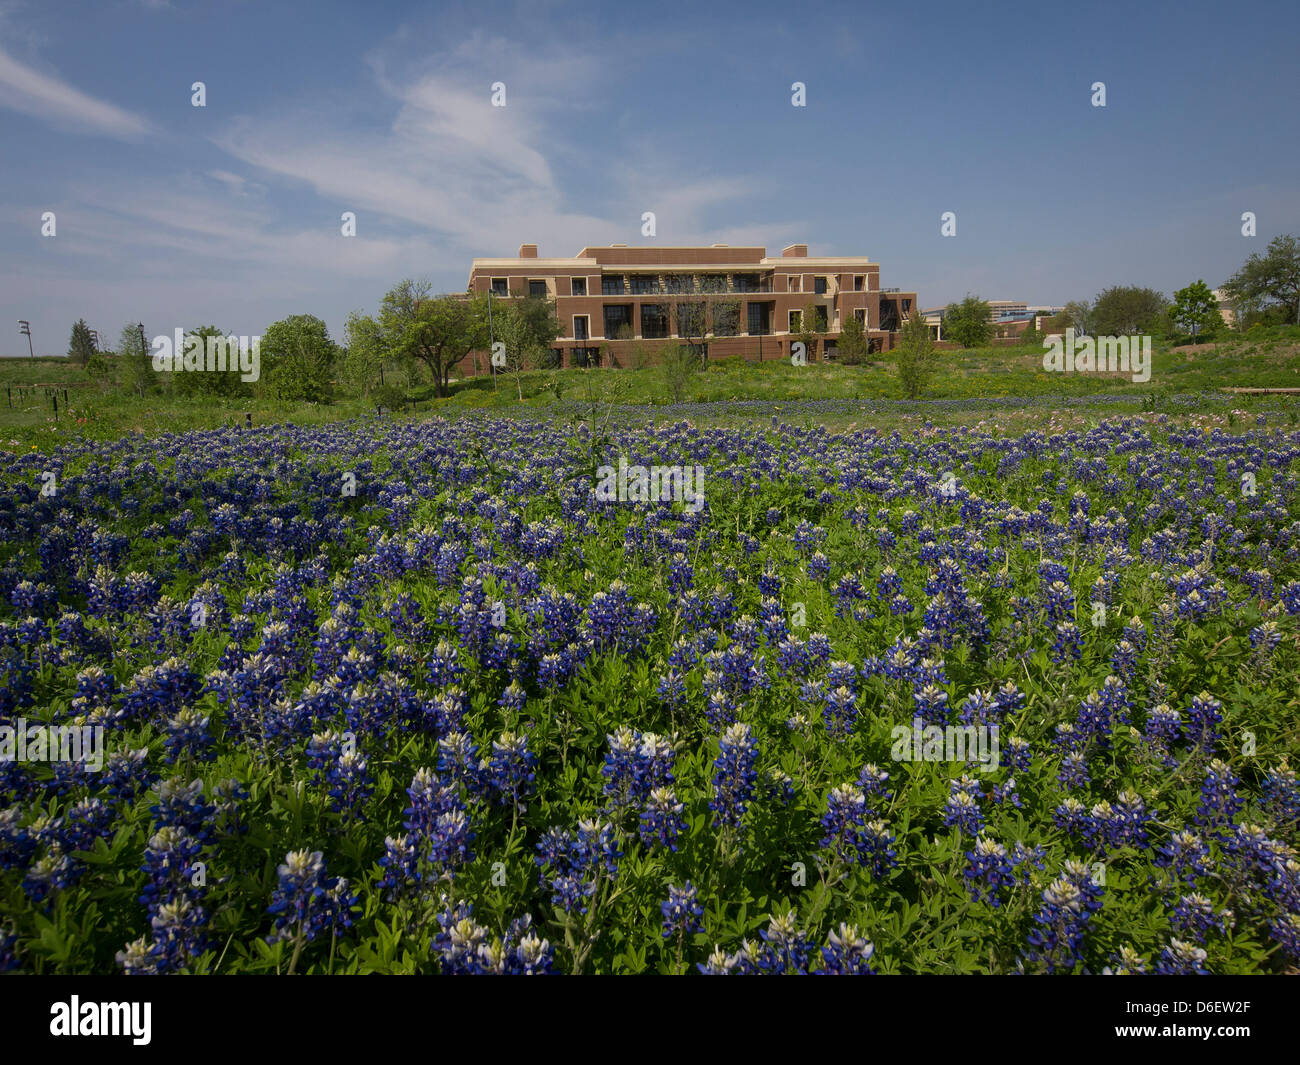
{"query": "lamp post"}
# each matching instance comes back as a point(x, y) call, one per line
point(25, 329)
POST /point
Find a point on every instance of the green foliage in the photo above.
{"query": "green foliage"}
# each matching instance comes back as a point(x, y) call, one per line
point(135, 374)
point(437, 331)
point(811, 325)
point(966, 323)
point(98, 370)
point(202, 382)
point(1126, 310)
point(81, 346)
point(1267, 287)
point(298, 359)
point(362, 359)
point(677, 366)
point(914, 356)
point(388, 397)
point(1196, 311)
point(1032, 337)
point(852, 347)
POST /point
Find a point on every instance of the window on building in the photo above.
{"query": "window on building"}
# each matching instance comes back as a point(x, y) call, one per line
point(537, 288)
point(759, 319)
point(578, 286)
point(617, 317)
point(796, 320)
point(654, 321)
point(859, 282)
point(861, 315)
point(612, 285)
point(644, 284)
point(581, 327)
point(792, 283)
point(713, 283)
point(745, 282)
point(822, 319)
point(690, 319)
point(677, 284)
point(500, 286)
point(819, 286)
point(726, 319)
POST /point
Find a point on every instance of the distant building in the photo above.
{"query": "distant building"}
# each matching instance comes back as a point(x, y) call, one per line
point(749, 303)
point(1226, 309)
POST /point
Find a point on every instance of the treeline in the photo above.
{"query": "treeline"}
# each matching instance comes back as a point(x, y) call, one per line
point(416, 338)
point(1265, 291)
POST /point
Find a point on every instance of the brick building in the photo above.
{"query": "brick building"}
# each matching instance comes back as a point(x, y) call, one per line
point(729, 301)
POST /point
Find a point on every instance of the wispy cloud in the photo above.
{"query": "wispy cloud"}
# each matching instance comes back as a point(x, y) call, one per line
point(25, 89)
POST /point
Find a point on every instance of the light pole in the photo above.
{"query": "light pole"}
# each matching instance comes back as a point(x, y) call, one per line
point(25, 328)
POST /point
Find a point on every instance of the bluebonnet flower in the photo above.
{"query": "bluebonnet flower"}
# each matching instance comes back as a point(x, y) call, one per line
point(661, 821)
point(183, 805)
point(1185, 855)
point(852, 836)
point(53, 871)
point(846, 954)
point(572, 863)
point(1203, 720)
point(1281, 795)
point(511, 769)
point(1220, 802)
point(962, 810)
point(734, 776)
point(465, 948)
point(1194, 915)
point(1017, 754)
point(1127, 962)
point(1285, 931)
point(187, 734)
point(1068, 644)
point(1181, 959)
point(1069, 902)
point(306, 902)
point(785, 948)
point(458, 760)
point(988, 871)
point(682, 912)
point(1073, 772)
point(1163, 727)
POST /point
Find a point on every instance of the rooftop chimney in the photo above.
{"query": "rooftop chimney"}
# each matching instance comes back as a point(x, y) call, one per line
point(528, 251)
point(796, 251)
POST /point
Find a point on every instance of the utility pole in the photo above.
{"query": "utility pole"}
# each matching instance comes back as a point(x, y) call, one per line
point(25, 328)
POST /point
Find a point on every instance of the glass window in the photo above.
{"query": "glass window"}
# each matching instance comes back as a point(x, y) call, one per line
point(612, 285)
point(644, 284)
point(654, 321)
point(726, 319)
point(819, 286)
point(537, 288)
point(500, 287)
point(858, 282)
point(578, 286)
point(617, 316)
point(580, 327)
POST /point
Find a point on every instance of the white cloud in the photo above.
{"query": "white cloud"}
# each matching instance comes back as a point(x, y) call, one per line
point(25, 89)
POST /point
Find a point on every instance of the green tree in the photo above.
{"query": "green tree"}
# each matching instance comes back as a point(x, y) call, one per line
point(812, 323)
point(135, 371)
point(677, 366)
point(202, 382)
point(1031, 337)
point(528, 325)
point(915, 356)
point(82, 345)
point(298, 359)
point(438, 331)
point(362, 360)
point(1196, 311)
point(1269, 283)
point(1123, 310)
point(852, 348)
point(1077, 315)
point(99, 371)
point(966, 322)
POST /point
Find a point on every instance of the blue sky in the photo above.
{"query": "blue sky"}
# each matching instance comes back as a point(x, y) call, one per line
point(230, 214)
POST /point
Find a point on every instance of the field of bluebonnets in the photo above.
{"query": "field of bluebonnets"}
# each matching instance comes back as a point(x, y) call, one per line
point(413, 698)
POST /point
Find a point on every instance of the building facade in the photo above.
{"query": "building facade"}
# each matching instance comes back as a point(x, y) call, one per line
point(725, 300)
